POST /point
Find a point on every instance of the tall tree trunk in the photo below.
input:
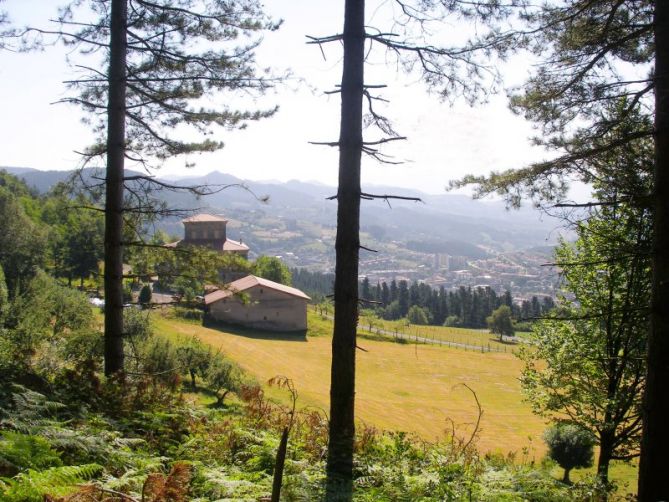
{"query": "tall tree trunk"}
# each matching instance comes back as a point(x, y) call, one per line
point(342, 385)
point(605, 454)
point(277, 481)
point(114, 189)
point(654, 462)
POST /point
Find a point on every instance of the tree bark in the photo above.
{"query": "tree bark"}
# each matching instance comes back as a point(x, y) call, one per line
point(278, 466)
point(654, 461)
point(339, 485)
point(565, 477)
point(221, 398)
point(605, 454)
point(113, 279)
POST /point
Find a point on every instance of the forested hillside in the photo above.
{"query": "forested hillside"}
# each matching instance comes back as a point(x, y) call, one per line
point(116, 386)
point(188, 417)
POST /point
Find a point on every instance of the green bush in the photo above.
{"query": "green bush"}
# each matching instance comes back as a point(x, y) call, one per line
point(452, 321)
point(145, 295)
point(570, 446)
point(190, 314)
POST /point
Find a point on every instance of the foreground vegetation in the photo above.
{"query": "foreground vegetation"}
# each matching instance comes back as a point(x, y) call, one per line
point(71, 434)
point(193, 420)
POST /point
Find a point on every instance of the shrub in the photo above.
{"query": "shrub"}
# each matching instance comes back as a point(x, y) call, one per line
point(418, 315)
point(189, 314)
point(145, 295)
point(452, 321)
point(570, 446)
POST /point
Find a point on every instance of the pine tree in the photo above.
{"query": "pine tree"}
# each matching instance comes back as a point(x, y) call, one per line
point(161, 60)
point(450, 70)
point(578, 95)
point(385, 294)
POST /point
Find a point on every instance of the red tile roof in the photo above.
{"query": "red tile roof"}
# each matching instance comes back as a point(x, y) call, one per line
point(230, 245)
point(202, 218)
point(248, 282)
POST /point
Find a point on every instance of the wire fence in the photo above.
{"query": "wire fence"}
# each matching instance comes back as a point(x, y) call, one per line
point(457, 338)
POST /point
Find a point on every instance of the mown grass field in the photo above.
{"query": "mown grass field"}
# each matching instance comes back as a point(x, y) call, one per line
point(415, 388)
point(476, 337)
point(409, 387)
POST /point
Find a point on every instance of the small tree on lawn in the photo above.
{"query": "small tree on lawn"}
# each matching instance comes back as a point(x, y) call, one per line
point(368, 319)
point(195, 358)
point(417, 315)
point(500, 322)
point(570, 446)
point(223, 377)
point(145, 296)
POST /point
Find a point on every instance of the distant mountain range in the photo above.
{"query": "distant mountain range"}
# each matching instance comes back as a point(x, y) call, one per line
point(447, 223)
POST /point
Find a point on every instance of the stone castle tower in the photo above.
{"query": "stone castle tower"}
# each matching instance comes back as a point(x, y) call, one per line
point(209, 230)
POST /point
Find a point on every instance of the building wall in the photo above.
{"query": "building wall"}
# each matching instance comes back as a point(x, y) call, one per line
point(266, 309)
point(205, 231)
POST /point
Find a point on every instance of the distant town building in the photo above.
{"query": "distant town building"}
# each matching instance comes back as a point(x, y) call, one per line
point(457, 263)
point(259, 303)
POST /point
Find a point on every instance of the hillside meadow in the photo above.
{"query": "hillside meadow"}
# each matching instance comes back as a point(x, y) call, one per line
point(414, 388)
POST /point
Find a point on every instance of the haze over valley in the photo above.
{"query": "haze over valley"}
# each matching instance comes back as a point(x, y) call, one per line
point(445, 240)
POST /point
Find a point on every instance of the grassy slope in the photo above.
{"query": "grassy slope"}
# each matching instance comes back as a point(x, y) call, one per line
point(400, 387)
point(477, 337)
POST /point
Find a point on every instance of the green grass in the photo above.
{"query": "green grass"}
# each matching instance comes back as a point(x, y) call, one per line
point(409, 387)
point(477, 337)
point(416, 388)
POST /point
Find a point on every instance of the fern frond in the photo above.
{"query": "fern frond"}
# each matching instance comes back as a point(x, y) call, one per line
point(33, 485)
point(178, 482)
point(22, 451)
point(29, 408)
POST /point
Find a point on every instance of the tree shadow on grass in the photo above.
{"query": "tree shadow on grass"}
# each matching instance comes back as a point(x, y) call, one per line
point(505, 340)
point(255, 333)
